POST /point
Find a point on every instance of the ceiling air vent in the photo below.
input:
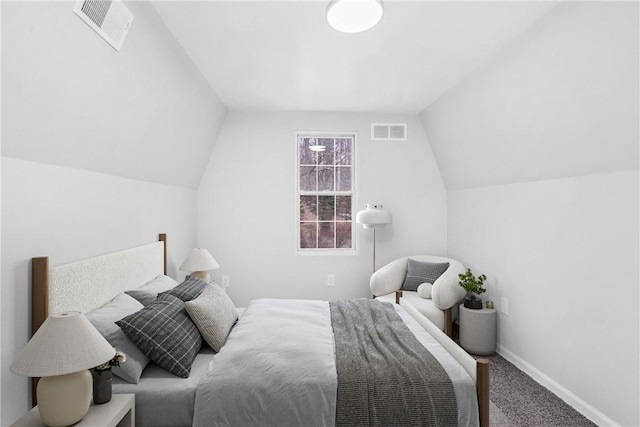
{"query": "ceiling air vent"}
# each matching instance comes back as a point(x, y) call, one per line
point(389, 131)
point(109, 18)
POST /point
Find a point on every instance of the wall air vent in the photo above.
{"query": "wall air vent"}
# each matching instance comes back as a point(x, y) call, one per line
point(109, 18)
point(389, 131)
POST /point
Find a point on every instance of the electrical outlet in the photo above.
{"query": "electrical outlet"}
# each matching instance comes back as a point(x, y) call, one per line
point(226, 280)
point(331, 279)
point(504, 306)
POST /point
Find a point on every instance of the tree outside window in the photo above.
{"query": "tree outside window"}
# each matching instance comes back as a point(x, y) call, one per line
point(325, 192)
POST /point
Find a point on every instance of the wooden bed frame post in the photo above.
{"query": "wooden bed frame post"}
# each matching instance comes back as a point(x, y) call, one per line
point(398, 296)
point(482, 388)
point(39, 304)
point(448, 322)
point(39, 292)
point(163, 238)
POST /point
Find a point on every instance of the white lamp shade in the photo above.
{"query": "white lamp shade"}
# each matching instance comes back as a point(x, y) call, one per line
point(199, 260)
point(354, 16)
point(64, 344)
point(374, 216)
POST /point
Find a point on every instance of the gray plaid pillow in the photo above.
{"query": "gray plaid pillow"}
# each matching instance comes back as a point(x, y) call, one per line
point(422, 272)
point(190, 289)
point(165, 333)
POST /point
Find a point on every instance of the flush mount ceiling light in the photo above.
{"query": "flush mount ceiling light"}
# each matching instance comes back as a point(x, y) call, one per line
point(354, 16)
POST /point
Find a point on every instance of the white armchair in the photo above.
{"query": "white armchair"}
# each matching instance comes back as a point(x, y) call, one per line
point(446, 293)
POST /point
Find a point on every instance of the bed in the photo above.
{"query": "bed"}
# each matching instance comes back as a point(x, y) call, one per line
point(216, 389)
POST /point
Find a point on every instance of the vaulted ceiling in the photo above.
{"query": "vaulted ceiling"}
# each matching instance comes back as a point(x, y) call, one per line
point(500, 84)
point(282, 55)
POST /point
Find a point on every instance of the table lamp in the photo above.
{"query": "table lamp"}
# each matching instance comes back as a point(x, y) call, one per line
point(374, 216)
point(61, 352)
point(198, 263)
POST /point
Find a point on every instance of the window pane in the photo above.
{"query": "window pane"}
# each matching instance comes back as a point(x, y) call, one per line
point(327, 235)
point(308, 178)
point(326, 206)
point(326, 157)
point(308, 208)
point(343, 151)
point(308, 235)
point(325, 217)
point(343, 234)
point(343, 208)
point(307, 157)
point(343, 178)
point(325, 178)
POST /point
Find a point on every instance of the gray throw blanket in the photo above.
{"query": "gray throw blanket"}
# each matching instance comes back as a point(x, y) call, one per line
point(385, 376)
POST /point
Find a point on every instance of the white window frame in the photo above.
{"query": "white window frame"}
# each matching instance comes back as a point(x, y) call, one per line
point(327, 251)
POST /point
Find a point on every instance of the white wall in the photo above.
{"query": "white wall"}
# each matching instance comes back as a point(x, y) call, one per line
point(565, 254)
point(539, 151)
point(247, 205)
point(69, 214)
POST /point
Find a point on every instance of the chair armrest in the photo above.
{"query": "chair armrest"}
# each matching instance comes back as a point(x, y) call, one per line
point(446, 291)
point(389, 278)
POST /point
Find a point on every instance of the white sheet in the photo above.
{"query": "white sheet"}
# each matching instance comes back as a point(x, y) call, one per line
point(252, 380)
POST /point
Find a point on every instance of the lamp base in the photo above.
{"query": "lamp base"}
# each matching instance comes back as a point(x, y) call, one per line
point(202, 275)
point(64, 400)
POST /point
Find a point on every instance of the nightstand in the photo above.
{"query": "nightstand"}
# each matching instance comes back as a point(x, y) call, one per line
point(120, 411)
point(478, 330)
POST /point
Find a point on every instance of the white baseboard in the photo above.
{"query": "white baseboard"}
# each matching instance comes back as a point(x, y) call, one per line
point(571, 399)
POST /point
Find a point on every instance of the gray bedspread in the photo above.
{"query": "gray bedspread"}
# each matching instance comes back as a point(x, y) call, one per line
point(386, 377)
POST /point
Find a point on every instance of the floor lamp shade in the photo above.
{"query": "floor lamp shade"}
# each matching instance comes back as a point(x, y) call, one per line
point(198, 263)
point(373, 216)
point(62, 350)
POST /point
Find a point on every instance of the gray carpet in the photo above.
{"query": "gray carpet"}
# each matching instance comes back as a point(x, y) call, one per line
point(518, 401)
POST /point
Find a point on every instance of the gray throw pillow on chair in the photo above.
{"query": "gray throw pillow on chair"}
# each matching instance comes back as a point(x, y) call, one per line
point(419, 272)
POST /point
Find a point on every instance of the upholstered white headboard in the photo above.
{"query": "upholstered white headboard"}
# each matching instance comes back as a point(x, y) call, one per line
point(87, 284)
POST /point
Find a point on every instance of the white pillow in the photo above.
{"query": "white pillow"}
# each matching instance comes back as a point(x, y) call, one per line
point(424, 290)
point(104, 318)
point(214, 314)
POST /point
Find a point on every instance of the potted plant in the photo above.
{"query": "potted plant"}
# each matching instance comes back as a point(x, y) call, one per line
point(102, 378)
point(473, 286)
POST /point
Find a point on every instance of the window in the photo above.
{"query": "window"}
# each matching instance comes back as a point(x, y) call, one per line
point(325, 192)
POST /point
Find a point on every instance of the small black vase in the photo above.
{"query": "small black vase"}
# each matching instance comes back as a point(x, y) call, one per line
point(473, 302)
point(101, 385)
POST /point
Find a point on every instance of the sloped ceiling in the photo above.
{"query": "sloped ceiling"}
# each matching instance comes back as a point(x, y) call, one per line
point(282, 55)
point(71, 100)
point(561, 101)
point(153, 111)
